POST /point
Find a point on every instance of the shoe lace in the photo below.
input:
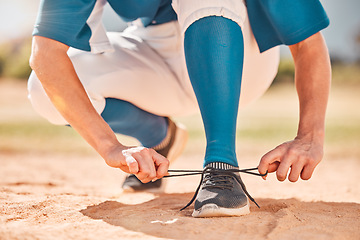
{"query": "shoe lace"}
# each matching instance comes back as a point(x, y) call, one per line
point(216, 178)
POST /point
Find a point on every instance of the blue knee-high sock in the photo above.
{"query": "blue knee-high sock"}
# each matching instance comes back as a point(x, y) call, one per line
point(125, 118)
point(214, 52)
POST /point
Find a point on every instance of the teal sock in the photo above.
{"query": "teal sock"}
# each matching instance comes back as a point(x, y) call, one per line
point(127, 119)
point(214, 52)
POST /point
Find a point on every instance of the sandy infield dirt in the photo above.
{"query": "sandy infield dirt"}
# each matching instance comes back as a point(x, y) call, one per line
point(76, 196)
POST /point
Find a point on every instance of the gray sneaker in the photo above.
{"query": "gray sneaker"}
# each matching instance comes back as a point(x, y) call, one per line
point(171, 148)
point(222, 193)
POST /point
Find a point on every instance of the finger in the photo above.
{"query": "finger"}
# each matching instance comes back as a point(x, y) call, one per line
point(144, 171)
point(161, 163)
point(147, 168)
point(283, 168)
point(295, 171)
point(307, 171)
point(269, 158)
point(273, 166)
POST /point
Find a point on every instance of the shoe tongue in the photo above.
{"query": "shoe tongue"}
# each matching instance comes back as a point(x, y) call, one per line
point(214, 177)
point(221, 165)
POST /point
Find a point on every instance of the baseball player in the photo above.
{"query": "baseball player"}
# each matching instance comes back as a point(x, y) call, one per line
point(170, 63)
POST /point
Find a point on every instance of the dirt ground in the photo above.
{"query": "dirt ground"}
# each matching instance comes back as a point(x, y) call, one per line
point(70, 195)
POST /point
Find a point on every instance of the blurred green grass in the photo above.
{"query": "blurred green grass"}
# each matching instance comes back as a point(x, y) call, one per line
point(40, 137)
point(342, 137)
point(261, 126)
point(14, 58)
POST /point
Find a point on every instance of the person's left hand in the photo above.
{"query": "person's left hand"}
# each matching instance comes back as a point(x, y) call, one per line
point(301, 155)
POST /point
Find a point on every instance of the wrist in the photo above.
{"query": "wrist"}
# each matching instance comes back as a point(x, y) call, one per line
point(313, 134)
point(107, 146)
point(112, 153)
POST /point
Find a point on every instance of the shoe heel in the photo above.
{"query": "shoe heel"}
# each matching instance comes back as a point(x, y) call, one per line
point(181, 139)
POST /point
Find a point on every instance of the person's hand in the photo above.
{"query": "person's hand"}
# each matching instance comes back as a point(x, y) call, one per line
point(299, 155)
point(145, 163)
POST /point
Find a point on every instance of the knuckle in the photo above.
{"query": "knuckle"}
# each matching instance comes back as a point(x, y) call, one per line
point(303, 159)
point(310, 163)
point(152, 151)
point(145, 180)
point(281, 146)
point(132, 164)
point(265, 160)
point(160, 174)
point(166, 163)
point(293, 152)
point(145, 150)
point(314, 161)
point(145, 173)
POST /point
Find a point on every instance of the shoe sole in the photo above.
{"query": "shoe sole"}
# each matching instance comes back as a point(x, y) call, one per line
point(212, 210)
point(179, 144)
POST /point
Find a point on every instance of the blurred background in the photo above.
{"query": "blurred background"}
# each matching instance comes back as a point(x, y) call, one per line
point(21, 130)
point(50, 177)
point(17, 18)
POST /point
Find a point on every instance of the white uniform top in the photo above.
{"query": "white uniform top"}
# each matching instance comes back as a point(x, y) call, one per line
point(147, 68)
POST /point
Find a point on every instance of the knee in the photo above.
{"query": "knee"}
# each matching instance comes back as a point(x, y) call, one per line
point(35, 91)
point(41, 102)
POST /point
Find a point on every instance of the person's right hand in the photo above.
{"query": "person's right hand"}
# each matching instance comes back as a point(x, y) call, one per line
point(145, 163)
point(56, 72)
